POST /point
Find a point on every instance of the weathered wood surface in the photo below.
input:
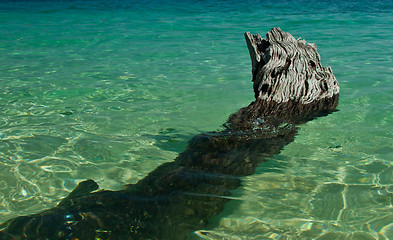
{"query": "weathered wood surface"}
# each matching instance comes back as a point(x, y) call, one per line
point(179, 197)
point(289, 81)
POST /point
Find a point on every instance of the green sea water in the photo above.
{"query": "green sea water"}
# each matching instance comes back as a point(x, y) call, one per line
point(109, 90)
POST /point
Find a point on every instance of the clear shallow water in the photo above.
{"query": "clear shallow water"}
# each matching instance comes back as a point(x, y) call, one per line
point(111, 90)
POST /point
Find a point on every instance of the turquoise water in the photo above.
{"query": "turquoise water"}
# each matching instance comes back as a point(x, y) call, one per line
point(109, 90)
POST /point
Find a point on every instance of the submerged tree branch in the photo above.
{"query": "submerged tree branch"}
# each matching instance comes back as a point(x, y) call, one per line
point(177, 198)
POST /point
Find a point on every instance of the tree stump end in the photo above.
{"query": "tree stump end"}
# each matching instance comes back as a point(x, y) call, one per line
point(289, 81)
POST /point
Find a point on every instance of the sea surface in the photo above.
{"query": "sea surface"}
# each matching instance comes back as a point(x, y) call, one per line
point(110, 90)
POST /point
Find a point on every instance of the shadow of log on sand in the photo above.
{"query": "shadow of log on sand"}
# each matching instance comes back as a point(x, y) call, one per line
point(177, 198)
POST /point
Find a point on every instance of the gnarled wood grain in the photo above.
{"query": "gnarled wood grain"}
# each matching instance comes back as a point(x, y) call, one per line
point(289, 81)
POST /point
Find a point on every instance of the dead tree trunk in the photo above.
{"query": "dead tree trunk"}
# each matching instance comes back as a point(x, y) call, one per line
point(179, 197)
point(289, 81)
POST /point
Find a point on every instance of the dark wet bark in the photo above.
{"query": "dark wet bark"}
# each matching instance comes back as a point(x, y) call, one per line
point(179, 197)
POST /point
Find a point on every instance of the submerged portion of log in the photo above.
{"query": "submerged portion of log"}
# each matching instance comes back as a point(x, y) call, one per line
point(179, 197)
point(289, 81)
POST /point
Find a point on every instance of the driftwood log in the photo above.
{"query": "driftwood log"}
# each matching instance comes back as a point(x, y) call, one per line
point(177, 198)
